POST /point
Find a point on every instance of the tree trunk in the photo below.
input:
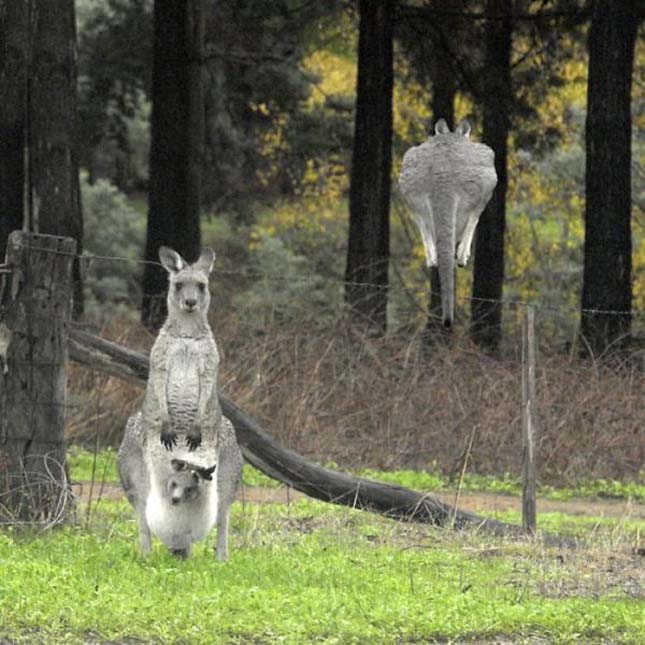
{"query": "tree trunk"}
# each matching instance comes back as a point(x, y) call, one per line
point(176, 149)
point(369, 195)
point(608, 245)
point(34, 313)
point(444, 90)
point(53, 163)
point(286, 466)
point(488, 278)
point(14, 34)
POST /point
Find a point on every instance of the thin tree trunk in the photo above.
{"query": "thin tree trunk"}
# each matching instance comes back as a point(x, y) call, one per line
point(14, 34)
point(176, 150)
point(369, 200)
point(53, 162)
point(488, 279)
point(607, 279)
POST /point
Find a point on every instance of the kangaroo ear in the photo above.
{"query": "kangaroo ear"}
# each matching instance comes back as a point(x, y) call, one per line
point(441, 127)
point(171, 260)
point(206, 473)
point(463, 128)
point(178, 465)
point(206, 259)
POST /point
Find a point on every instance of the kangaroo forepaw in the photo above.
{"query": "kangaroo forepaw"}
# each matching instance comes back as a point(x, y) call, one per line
point(169, 439)
point(193, 441)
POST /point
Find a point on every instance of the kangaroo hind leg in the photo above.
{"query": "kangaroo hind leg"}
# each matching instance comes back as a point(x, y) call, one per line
point(466, 241)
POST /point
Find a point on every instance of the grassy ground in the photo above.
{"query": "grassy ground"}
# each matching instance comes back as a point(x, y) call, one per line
point(86, 466)
point(311, 572)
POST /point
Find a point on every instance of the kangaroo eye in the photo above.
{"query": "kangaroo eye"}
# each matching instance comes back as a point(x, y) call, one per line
point(178, 286)
point(201, 286)
point(173, 484)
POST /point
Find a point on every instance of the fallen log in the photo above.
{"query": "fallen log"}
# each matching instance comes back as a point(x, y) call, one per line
point(287, 466)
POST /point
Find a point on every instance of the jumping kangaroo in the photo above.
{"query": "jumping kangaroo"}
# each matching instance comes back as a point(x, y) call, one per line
point(176, 498)
point(447, 182)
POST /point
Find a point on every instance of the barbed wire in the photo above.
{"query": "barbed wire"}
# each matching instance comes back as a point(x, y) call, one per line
point(32, 483)
point(318, 279)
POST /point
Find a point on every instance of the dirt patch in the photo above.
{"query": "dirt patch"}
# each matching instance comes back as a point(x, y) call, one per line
point(476, 502)
point(501, 503)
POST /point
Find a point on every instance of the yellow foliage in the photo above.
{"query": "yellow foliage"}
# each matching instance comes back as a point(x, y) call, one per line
point(545, 203)
point(337, 76)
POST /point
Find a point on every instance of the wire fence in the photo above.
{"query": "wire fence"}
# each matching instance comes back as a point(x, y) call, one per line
point(330, 391)
point(249, 274)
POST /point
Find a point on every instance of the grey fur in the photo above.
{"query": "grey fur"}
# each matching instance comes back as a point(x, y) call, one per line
point(141, 468)
point(447, 182)
point(181, 397)
point(174, 495)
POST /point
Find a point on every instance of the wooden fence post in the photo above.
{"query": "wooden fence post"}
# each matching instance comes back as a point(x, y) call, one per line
point(529, 425)
point(35, 302)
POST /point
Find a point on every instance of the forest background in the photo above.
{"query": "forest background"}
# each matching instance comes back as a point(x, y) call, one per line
point(279, 91)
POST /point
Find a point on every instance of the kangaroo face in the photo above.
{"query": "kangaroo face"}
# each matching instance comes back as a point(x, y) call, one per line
point(186, 481)
point(183, 487)
point(188, 290)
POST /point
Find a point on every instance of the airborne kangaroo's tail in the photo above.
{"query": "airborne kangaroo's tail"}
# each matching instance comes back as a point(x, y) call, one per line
point(446, 225)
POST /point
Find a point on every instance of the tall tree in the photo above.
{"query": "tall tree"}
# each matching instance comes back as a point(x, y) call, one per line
point(608, 245)
point(176, 153)
point(53, 163)
point(496, 95)
point(369, 194)
point(14, 39)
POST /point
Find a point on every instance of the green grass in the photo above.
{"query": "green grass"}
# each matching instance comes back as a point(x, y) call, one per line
point(510, 485)
point(85, 466)
point(82, 462)
point(310, 571)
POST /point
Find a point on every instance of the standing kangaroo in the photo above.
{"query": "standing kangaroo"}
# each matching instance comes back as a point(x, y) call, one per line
point(176, 498)
point(447, 182)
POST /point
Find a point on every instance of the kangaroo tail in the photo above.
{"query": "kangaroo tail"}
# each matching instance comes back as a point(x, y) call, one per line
point(446, 242)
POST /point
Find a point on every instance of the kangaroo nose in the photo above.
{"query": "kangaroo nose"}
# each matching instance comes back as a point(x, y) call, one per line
point(190, 303)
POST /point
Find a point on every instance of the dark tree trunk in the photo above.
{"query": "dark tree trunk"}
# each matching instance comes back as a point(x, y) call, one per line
point(53, 163)
point(369, 198)
point(177, 130)
point(14, 39)
point(488, 278)
point(608, 244)
point(444, 90)
point(34, 314)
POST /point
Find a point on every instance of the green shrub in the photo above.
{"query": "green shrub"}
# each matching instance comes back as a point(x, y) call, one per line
point(113, 229)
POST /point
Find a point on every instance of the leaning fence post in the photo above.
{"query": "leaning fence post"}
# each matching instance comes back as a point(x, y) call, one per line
point(528, 422)
point(35, 302)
